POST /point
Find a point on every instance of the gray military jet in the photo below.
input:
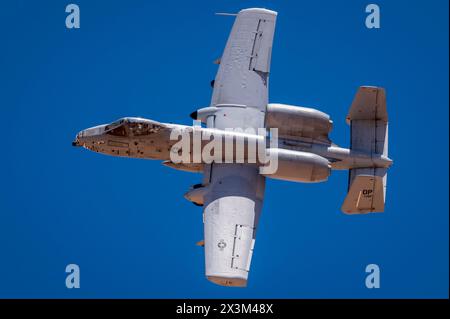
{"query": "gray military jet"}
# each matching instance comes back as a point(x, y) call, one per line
point(232, 189)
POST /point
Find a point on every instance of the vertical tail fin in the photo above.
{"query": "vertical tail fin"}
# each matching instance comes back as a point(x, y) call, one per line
point(368, 121)
point(367, 191)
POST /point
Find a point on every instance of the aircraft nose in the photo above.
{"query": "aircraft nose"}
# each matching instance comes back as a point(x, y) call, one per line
point(77, 141)
point(87, 134)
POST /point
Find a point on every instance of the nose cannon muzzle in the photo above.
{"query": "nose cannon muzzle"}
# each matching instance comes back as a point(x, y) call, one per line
point(76, 142)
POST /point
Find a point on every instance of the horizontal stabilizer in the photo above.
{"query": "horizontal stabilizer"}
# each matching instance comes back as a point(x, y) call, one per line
point(368, 121)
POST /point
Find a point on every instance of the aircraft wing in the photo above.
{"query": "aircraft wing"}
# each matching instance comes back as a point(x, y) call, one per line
point(234, 196)
point(232, 209)
point(245, 64)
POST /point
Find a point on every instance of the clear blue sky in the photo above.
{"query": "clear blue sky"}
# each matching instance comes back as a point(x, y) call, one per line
point(125, 221)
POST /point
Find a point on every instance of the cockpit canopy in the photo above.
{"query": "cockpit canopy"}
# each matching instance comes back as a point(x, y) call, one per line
point(133, 126)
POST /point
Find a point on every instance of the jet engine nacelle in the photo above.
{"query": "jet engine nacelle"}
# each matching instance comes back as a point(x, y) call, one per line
point(297, 166)
point(296, 121)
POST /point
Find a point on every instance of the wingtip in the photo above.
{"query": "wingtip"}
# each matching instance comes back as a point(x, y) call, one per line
point(260, 11)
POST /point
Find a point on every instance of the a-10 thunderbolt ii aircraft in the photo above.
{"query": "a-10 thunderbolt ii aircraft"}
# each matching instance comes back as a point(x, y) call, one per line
point(232, 192)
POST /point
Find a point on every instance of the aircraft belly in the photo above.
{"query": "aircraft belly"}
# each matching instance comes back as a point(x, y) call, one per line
point(236, 117)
